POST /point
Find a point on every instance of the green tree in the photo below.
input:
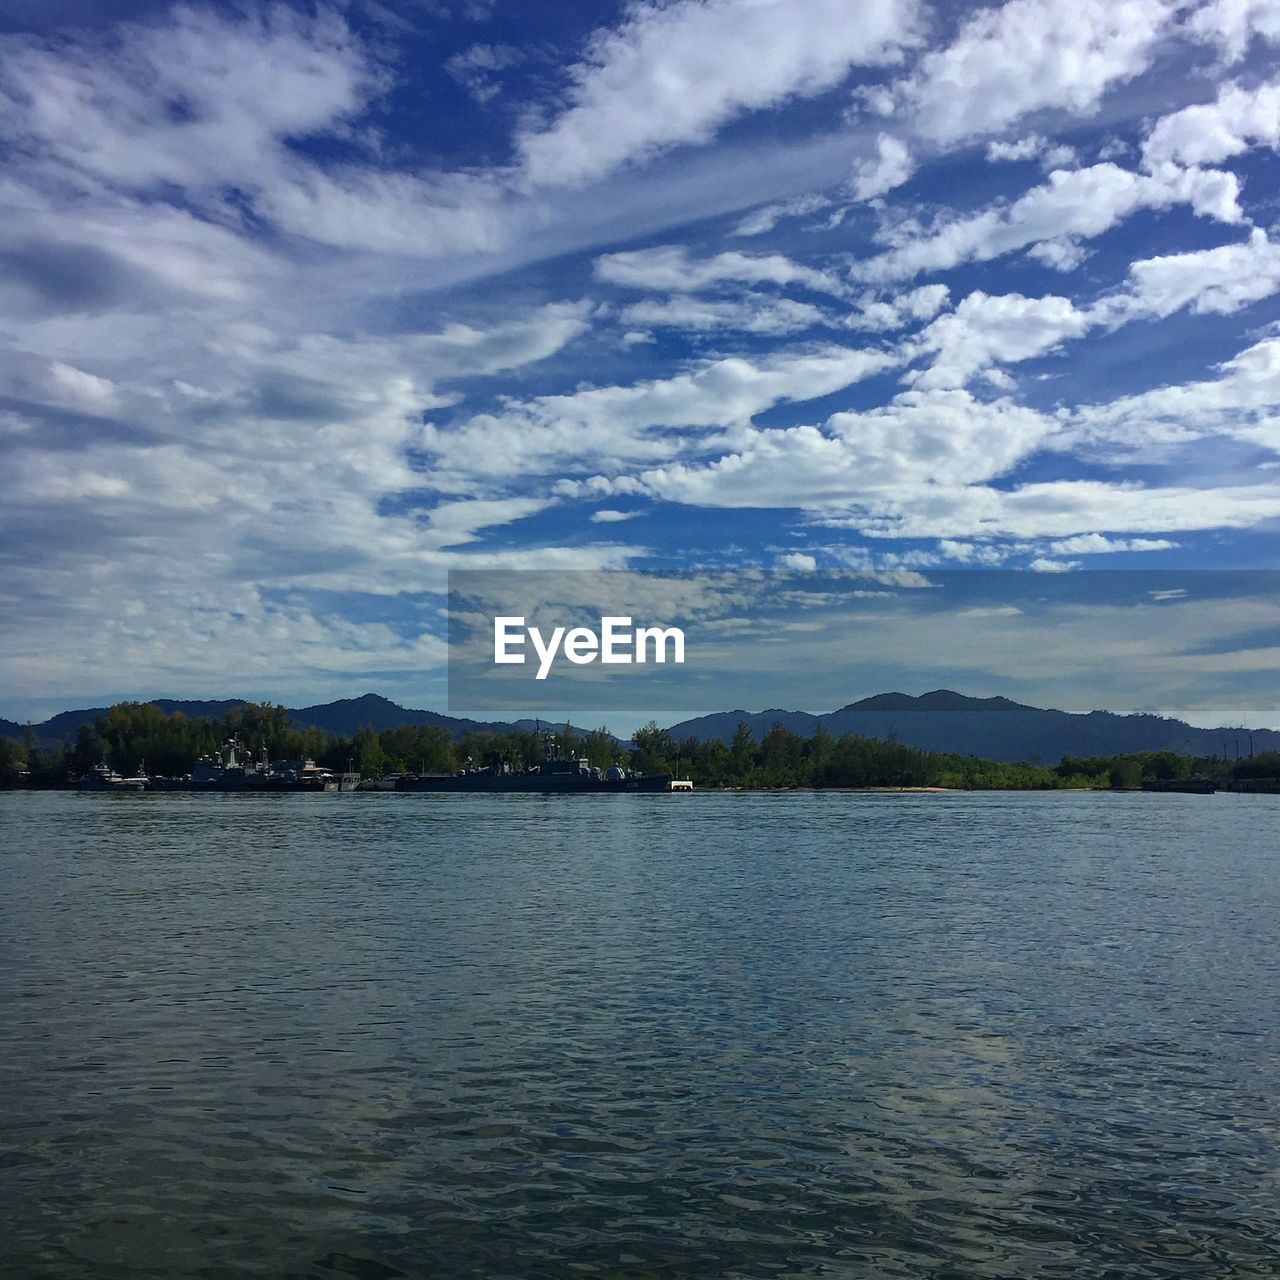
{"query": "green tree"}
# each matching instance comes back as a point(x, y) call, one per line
point(370, 759)
point(1126, 772)
point(603, 749)
point(652, 750)
point(781, 757)
point(1266, 764)
point(569, 743)
point(13, 760)
point(742, 750)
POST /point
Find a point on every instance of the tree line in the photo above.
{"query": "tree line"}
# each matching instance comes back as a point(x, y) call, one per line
point(133, 736)
point(136, 736)
point(783, 758)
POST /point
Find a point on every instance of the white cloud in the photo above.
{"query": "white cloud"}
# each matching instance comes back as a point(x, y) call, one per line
point(1216, 131)
point(357, 208)
point(985, 330)
point(900, 310)
point(1073, 204)
point(70, 388)
point(1211, 193)
point(1231, 24)
point(890, 454)
point(1051, 155)
point(464, 350)
point(1027, 148)
point(1063, 508)
point(1096, 544)
point(923, 467)
point(943, 436)
point(208, 105)
point(890, 167)
point(478, 68)
point(799, 561)
point(607, 515)
point(644, 422)
point(193, 100)
point(229, 462)
point(671, 269)
point(757, 314)
point(454, 523)
point(1243, 403)
point(1063, 254)
point(768, 216)
point(677, 73)
point(138, 257)
point(1030, 55)
point(1209, 281)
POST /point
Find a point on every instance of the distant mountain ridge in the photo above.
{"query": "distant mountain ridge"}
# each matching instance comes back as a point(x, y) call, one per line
point(57, 729)
point(347, 715)
point(943, 720)
point(342, 717)
point(995, 728)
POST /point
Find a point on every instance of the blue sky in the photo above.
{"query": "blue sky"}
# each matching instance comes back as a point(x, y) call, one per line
point(304, 306)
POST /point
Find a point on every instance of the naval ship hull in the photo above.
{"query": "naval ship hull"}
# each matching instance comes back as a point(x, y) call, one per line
point(240, 786)
point(535, 784)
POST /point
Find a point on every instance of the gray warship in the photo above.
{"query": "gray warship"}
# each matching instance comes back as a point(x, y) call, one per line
point(236, 769)
point(555, 774)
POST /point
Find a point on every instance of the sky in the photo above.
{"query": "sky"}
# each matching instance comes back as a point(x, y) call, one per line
point(302, 307)
point(1197, 645)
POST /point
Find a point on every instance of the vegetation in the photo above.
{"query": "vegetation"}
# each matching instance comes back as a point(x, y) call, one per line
point(134, 736)
point(786, 759)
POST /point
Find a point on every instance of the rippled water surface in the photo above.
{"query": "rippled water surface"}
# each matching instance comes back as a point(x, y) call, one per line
point(639, 1036)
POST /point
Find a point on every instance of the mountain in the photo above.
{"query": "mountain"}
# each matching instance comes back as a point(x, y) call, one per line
point(347, 715)
point(721, 724)
point(63, 727)
point(995, 728)
point(343, 718)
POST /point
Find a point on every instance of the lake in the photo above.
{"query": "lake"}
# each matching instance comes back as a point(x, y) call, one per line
point(967, 1035)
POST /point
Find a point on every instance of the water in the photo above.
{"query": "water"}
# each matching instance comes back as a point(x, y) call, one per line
point(639, 1036)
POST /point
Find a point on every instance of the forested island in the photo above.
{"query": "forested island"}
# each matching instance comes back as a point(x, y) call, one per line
point(134, 736)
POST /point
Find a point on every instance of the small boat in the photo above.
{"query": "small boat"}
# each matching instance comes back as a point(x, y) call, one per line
point(104, 778)
point(388, 782)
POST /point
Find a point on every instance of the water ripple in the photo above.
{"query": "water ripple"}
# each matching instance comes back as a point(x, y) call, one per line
point(724, 1036)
